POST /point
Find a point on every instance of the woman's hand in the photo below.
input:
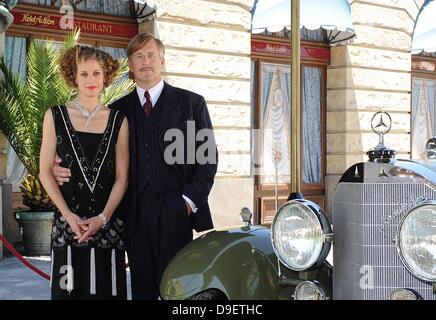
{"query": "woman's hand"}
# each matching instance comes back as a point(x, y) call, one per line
point(73, 221)
point(93, 225)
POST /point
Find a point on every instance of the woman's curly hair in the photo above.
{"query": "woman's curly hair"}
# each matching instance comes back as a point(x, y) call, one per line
point(72, 56)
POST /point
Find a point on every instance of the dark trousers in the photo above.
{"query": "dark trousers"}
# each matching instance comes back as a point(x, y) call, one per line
point(161, 229)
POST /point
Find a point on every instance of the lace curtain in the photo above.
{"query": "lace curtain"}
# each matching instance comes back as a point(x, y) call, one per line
point(275, 123)
point(423, 115)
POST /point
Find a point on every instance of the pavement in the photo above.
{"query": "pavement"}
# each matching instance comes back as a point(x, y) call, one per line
point(17, 282)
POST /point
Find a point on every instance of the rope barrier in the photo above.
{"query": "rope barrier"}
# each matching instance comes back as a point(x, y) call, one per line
point(24, 261)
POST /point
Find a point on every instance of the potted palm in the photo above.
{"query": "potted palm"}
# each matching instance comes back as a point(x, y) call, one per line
point(22, 107)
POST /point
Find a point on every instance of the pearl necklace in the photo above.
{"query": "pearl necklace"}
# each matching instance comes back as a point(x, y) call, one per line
point(88, 114)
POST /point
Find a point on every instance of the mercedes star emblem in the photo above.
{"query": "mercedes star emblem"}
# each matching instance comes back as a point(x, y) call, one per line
point(381, 122)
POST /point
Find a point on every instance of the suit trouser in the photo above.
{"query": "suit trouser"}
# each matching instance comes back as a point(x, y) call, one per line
point(162, 228)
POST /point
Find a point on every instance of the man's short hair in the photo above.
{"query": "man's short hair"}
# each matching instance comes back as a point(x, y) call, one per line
point(140, 40)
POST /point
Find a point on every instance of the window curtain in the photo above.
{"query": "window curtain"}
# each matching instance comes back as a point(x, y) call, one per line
point(423, 115)
point(275, 122)
point(15, 57)
point(266, 88)
point(254, 141)
point(312, 125)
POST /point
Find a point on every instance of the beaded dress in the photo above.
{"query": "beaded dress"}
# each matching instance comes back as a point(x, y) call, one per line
point(98, 266)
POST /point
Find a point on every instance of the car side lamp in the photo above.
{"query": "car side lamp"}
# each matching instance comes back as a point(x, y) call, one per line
point(430, 148)
point(246, 216)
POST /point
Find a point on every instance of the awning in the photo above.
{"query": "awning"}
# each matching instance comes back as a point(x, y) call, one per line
point(332, 15)
point(143, 9)
point(6, 17)
point(424, 35)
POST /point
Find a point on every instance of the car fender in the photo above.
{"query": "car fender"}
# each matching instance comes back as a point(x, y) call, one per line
point(240, 262)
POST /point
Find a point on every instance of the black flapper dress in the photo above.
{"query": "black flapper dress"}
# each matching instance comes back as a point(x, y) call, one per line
point(93, 270)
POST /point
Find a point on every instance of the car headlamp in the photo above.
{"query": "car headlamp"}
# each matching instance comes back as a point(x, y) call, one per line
point(301, 234)
point(404, 294)
point(309, 290)
point(417, 241)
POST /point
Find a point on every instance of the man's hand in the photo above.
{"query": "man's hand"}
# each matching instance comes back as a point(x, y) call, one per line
point(61, 174)
point(188, 208)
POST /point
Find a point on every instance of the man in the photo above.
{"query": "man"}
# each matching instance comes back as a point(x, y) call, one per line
point(165, 200)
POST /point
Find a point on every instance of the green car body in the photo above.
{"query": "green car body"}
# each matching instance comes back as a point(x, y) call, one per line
point(240, 263)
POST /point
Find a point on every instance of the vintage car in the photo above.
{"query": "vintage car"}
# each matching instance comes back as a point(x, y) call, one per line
point(384, 222)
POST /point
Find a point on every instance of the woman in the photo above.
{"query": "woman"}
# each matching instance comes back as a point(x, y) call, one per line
point(92, 140)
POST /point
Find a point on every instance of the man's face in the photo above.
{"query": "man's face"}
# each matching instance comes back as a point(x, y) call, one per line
point(146, 64)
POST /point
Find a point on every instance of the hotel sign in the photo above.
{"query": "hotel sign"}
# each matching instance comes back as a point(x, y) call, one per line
point(284, 50)
point(87, 26)
point(423, 65)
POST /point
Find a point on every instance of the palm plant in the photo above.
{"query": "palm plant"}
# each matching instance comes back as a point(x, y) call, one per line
point(23, 104)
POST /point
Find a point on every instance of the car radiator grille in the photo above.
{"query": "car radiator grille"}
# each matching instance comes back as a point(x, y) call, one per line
point(365, 219)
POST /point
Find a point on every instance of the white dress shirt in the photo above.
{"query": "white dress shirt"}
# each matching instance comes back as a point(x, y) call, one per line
point(154, 93)
point(154, 96)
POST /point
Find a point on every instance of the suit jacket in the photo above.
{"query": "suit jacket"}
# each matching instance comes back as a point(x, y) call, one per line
point(178, 107)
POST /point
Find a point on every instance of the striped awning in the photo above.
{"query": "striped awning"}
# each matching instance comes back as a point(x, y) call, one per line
point(424, 35)
point(6, 18)
point(333, 15)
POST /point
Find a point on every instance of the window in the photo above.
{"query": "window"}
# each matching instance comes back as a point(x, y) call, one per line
point(275, 123)
point(271, 100)
point(423, 114)
point(423, 109)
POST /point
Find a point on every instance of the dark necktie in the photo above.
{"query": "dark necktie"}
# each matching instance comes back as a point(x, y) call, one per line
point(147, 104)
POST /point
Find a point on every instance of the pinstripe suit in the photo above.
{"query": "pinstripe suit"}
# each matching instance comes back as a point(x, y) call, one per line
point(157, 221)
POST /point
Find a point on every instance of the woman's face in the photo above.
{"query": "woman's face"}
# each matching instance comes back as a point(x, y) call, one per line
point(90, 78)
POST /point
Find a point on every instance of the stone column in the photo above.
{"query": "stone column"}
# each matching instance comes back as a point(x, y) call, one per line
point(208, 52)
point(370, 74)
